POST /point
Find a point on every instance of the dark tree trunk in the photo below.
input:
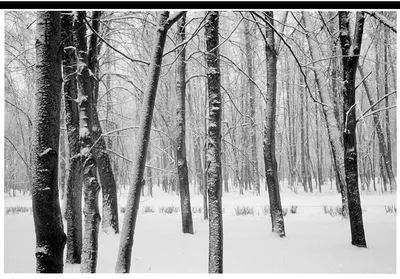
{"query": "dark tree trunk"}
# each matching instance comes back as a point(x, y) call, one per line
point(126, 241)
point(103, 162)
point(350, 51)
point(186, 209)
point(74, 176)
point(303, 165)
point(50, 237)
point(271, 172)
point(91, 187)
point(214, 179)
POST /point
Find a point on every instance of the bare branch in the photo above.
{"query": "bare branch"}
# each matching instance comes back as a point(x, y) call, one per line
point(382, 19)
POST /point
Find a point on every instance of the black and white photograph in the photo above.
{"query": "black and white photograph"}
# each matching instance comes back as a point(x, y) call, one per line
point(199, 140)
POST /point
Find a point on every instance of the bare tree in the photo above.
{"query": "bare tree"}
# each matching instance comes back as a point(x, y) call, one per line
point(214, 178)
point(132, 206)
point(351, 49)
point(50, 237)
point(186, 209)
point(271, 171)
point(91, 186)
point(73, 213)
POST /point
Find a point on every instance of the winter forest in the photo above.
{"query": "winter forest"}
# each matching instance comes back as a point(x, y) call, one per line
point(200, 141)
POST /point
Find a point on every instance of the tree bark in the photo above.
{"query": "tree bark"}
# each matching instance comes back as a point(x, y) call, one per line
point(186, 209)
point(271, 172)
point(50, 237)
point(110, 220)
point(214, 179)
point(329, 113)
point(74, 176)
point(126, 241)
point(91, 187)
point(350, 52)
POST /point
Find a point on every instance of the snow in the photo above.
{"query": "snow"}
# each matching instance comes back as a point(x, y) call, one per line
point(315, 242)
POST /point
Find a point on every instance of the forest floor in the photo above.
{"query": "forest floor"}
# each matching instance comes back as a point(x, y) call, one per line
point(315, 242)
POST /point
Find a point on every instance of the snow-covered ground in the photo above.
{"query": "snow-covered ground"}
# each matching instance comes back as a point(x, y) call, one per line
point(315, 242)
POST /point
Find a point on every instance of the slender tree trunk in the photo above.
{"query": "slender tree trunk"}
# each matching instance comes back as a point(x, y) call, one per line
point(74, 175)
point(303, 165)
point(50, 237)
point(186, 209)
point(126, 241)
point(350, 51)
point(91, 187)
point(318, 150)
point(106, 176)
point(214, 179)
point(329, 113)
point(253, 140)
point(271, 172)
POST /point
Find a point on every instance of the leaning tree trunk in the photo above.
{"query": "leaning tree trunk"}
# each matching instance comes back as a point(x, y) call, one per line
point(132, 206)
point(214, 179)
point(50, 237)
point(350, 52)
point(91, 187)
point(271, 172)
point(329, 113)
point(106, 175)
point(186, 210)
point(73, 213)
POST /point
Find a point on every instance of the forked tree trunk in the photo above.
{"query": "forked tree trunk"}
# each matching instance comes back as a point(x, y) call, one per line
point(132, 206)
point(329, 113)
point(271, 172)
point(186, 209)
point(50, 237)
point(214, 178)
point(74, 176)
point(351, 49)
point(91, 187)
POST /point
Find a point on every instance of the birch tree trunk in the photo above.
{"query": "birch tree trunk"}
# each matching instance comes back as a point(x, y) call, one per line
point(50, 237)
point(214, 178)
point(74, 176)
point(350, 52)
point(186, 209)
point(271, 172)
point(329, 113)
point(91, 187)
point(126, 241)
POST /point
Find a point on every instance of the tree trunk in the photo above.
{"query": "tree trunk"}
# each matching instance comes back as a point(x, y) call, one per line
point(214, 179)
point(350, 53)
point(253, 140)
point(90, 185)
point(329, 113)
point(271, 173)
point(50, 237)
point(303, 165)
point(186, 209)
point(132, 206)
point(74, 176)
point(103, 162)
